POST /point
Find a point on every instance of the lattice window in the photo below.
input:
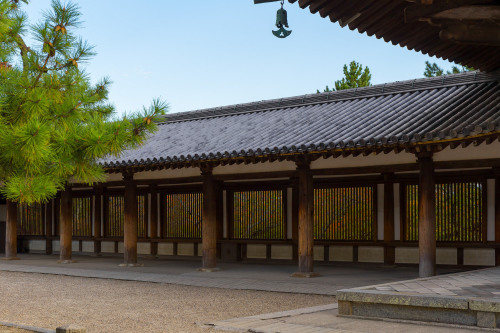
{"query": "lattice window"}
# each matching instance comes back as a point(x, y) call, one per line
point(258, 215)
point(115, 216)
point(30, 220)
point(460, 211)
point(344, 213)
point(183, 213)
point(82, 216)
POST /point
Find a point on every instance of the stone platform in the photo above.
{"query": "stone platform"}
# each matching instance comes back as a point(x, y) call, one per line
point(467, 298)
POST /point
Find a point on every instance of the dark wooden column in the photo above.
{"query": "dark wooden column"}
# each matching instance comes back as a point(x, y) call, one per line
point(66, 227)
point(130, 222)
point(209, 221)
point(305, 221)
point(153, 228)
point(497, 216)
point(390, 250)
point(97, 219)
point(427, 216)
point(11, 231)
point(48, 227)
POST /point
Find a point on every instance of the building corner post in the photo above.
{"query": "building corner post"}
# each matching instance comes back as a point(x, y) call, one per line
point(11, 232)
point(66, 227)
point(427, 216)
point(209, 221)
point(130, 221)
point(305, 220)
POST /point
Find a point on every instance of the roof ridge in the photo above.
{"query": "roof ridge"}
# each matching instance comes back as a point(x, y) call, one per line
point(327, 97)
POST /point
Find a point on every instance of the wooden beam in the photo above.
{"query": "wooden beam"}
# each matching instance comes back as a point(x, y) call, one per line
point(209, 221)
point(424, 11)
point(497, 216)
point(11, 231)
point(427, 217)
point(475, 33)
point(66, 227)
point(153, 228)
point(305, 221)
point(130, 222)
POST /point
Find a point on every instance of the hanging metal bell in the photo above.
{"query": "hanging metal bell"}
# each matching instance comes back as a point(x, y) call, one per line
point(281, 18)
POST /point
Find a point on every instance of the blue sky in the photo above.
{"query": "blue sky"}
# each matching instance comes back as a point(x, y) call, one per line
point(208, 53)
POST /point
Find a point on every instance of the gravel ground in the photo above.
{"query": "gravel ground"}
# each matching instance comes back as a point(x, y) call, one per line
point(4, 329)
point(50, 301)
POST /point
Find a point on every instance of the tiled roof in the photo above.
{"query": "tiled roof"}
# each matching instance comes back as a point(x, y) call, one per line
point(423, 110)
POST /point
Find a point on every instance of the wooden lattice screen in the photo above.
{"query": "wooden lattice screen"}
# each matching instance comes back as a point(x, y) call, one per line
point(30, 220)
point(258, 215)
point(183, 212)
point(82, 216)
point(344, 213)
point(115, 216)
point(460, 211)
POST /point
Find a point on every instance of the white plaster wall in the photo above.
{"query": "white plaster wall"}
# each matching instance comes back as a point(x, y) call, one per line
point(397, 213)
point(114, 177)
point(256, 251)
point(251, 168)
point(56, 246)
point(407, 255)
point(75, 246)
point(200, 250)
point(446, 256)
point(371, 254)
point(340, 253)
point(380, 211)
point(490, 186)
point(36, 245)
point(185, 249)
point(471, 152)
point(479, 257)
point(143, 248)
point(121, 247)
point(319, 253)
point(88, 246)
point(107, 247)
point(281, 252)
point(167, 174)
point(360, 161)
point(166, 249)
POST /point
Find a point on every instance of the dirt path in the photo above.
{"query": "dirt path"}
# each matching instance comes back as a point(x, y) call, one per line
point(50, 301)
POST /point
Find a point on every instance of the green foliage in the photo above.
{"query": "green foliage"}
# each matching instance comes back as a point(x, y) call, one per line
point(432, 70)
point(54, 123)
point(354, 77)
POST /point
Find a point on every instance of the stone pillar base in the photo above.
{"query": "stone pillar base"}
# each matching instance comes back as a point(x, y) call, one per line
point(208, 270)
point(131, 265)
point(305, 275)
point(70, 261)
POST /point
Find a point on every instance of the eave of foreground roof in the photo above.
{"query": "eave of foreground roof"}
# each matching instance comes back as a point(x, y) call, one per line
point(472, 133)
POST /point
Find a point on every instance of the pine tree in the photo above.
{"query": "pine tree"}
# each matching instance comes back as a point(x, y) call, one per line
point(432, 70)
point(354, 77)
point(54, 123)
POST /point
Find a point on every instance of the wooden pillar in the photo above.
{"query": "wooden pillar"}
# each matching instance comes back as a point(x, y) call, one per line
point(497, 216)
point(48, 228)
point(11, 231)
point(390, 250)
point(153, 215)
point(130, 222)
point(97, 219)
point(305, 221)
point(66, 227)
point(427, 216)
point(209, 221)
